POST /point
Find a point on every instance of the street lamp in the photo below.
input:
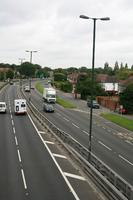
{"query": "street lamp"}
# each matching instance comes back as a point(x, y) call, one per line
point(29, 77)
point(92, 74)
point(31, 54)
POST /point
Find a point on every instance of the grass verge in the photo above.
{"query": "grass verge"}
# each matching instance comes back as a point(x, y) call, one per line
point(122, 121)
point(60, 101)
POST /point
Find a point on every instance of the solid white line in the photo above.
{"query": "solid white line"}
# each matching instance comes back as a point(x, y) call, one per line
point(59, 156)
point(16, 141)
point(49, 142)
point(57, 165)
point(74, 176)
point(104, 145)
point(75, 125)
point(24, 181)
point(19, 157)
point(126, 160)
point(66, 119)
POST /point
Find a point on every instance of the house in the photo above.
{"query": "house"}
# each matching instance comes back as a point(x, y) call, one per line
point(108, 83)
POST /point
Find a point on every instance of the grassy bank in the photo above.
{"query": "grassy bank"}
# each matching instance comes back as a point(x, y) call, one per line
point(60, 101)
point(122, 121)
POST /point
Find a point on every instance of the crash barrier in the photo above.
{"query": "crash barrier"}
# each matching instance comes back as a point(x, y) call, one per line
point(109, 182)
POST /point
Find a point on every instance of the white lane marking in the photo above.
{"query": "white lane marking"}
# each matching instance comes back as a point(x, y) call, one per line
point(104, 145)
point(66, 119)
point(42, 132)
point(59, 156)
point(126, 160)
point(129, 142)
point(49, 142)
point(86, 132)
point(14, 131)
point(23, 177)
point(16, 141)
point(57, 165)
point(103, 127)
point(75, 125)
point(12, 123)
point(11, 116)
point(19, 157)
point(74, 176)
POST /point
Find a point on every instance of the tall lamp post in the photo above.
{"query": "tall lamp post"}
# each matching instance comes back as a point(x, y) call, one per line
point(92, 75)
point(31, 54)
point(29, 77)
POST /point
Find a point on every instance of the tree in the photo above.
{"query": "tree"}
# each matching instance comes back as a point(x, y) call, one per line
point(60, 77)
point(10, 74)
point(27, 69)
point(126, 98)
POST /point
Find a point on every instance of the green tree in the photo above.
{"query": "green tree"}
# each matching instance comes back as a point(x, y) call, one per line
point(126, 98)
point(27, 69)
point(60, 77)
point(10, 74)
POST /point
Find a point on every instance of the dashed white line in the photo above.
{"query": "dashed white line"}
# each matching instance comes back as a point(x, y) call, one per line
point(16, 141)
point(19, 157)
point(104, 145)
point(86, 132)
point(75, 125)
point(74, 176)
point(12, 123)
point(23, 177)
point(58, 114)
point(14, 131)
point(11, 116)
point(66, 119)
point(59, 156)
point(126, 160)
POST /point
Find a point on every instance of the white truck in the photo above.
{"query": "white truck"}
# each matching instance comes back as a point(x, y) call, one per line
point(20, 106)
point(49, 95)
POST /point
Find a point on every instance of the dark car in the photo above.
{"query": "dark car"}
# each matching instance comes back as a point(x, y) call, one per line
point(94, 104)
point(48, 107)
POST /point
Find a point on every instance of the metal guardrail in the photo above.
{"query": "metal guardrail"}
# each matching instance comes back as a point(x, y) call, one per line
point(109, 181)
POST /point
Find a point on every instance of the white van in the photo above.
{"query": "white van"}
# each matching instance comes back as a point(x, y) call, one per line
point(20, 106)
point(2, 107)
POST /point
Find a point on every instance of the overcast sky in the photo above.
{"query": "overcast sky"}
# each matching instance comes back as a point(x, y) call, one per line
point(62, 39)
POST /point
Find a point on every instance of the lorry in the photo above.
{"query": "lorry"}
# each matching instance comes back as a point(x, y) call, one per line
point(49, 95)
point(20, 106)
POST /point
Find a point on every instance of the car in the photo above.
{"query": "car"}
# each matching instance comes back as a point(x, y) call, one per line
point(48, 107)
point(94, 104)
point(27, 88)
point(2, 107)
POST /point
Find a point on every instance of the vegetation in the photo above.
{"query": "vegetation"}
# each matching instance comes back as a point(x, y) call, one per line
point(65, 103)
point(122, 121)
point(60, 101)
point(126, 98)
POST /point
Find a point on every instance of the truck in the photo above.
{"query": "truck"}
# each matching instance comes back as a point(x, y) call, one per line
point(49, 95)
point(20, 106)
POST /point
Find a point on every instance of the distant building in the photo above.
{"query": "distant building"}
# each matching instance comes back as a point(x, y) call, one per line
point(108, 83)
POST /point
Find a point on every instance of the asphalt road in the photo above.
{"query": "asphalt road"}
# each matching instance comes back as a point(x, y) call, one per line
point(110, 142)
point(32, 167)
